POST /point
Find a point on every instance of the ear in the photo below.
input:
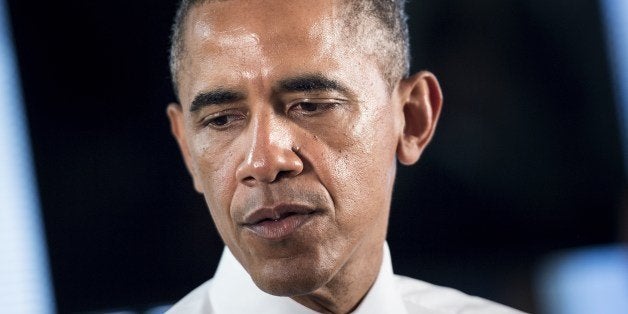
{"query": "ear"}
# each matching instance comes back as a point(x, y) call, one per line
point(421, 99)
point(177, 126)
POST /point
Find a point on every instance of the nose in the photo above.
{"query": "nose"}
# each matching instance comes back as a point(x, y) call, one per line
point(271, 154)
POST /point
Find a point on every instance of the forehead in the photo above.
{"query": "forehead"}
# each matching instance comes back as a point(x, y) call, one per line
point(216, 26)
point(297, 15)
point(238, 35)
point(272, 22)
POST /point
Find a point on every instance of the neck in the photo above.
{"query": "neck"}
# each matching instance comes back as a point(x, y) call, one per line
point(350, 285)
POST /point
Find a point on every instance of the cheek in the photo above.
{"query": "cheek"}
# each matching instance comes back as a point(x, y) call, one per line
point(215, 169)
point(362, 171)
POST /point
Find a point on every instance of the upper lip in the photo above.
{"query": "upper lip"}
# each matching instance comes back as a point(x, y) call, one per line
point(276, 212)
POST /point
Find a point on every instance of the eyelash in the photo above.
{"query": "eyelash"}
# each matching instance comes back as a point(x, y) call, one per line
point(215, 120)
point(319, 106)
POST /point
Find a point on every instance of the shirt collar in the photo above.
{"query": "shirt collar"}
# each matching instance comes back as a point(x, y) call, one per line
point(233, 291)
point(383, 296)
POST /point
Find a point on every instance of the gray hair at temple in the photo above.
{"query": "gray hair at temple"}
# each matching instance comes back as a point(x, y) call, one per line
point(391, 40)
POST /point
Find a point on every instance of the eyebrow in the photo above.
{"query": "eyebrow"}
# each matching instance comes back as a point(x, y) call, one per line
point(302, 83)
point(311, 83)
point(214, 97)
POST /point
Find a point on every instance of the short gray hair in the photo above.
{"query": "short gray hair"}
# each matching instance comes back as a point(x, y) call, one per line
point(392, 47)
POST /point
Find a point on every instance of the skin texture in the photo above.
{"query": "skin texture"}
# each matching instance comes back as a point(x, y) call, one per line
point(258, 130)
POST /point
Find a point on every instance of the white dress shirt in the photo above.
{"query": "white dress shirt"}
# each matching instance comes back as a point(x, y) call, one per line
point(233, 291)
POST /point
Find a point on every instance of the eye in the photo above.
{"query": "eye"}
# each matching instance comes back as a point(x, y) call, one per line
point(308, 106)
point(222, 120)
point(313, 106)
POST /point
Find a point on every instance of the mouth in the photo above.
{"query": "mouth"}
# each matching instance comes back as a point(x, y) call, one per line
point(279, 222)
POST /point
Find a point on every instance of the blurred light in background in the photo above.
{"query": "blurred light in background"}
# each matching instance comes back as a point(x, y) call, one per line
point(25, 285)
point(585, 281)
point(616, 16)
point(595, 280)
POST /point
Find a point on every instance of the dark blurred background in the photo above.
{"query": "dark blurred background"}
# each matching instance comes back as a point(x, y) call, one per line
point(526, 161)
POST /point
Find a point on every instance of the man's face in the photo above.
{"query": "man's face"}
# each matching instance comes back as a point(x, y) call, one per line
point(290, 132)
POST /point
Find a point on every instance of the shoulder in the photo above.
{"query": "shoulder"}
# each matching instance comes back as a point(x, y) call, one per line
point(196, 301)
point(419, 296)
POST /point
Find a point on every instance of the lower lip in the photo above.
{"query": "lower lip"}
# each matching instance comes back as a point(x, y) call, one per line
point(279, 229)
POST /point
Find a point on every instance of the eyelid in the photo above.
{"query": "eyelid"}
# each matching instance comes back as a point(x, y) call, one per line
point(321, 106)
point(207, 119)
point(314, 100)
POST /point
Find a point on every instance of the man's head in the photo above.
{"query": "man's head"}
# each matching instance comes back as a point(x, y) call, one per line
point(291, 130)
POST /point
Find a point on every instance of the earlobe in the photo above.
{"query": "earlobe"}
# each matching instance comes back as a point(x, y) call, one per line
point(422, 100)
point(177, 127)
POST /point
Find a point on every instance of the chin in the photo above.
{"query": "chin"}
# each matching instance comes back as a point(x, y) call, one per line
point(291, 279)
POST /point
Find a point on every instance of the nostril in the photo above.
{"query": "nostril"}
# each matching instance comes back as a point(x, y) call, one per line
point(250, 181)
point(284, 174)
